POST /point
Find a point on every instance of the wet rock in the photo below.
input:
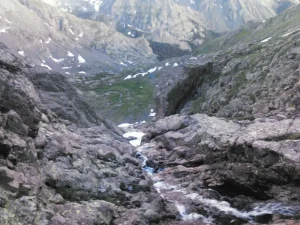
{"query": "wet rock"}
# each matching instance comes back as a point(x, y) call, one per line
point(243, 163)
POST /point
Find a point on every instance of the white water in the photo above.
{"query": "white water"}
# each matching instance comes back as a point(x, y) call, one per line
point(181, 198)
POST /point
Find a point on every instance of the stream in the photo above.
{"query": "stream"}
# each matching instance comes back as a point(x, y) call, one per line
point(182, 199)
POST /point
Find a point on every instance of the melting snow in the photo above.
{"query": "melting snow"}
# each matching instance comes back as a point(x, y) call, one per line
point(123, 64)
point(81, 59)
point(152, 113)
point(65, 68)
point(48, 41)
point(67, 73)
point(137, 135)
point(70, 54)
point(82, 72)
point(124, 125)
point(8, 21)
point(80, 35)
point(175, 64)
point(269, 38)
point(71, 31)
point(287, 34)
point(4, 30)
point(56, 60)
point(167, 64)
point(21, 53)
point(152, 70)
point(45, 65)
point(128, 77)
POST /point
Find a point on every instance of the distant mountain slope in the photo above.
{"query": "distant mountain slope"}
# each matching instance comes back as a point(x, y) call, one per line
point(274, 29)
point(182, 22)
point(62, 42)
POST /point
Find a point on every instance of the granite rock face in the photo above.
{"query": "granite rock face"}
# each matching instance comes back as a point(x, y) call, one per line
point(61, 162)
point(254, 73)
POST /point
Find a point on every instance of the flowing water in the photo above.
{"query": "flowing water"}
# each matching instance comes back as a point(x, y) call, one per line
point(178, 197)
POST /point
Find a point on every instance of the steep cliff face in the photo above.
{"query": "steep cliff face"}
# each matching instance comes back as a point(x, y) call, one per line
point(252, 77)
point(60, 162)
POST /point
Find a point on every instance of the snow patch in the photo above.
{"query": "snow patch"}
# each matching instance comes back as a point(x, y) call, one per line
point(152, 113)
point(287, 34)
point(267, 39)
point(135, 134)
point(57, 60)
point(45, 65)
point(21, 53)
point(123, 64)
point(128, 77)
point(71, 31)
point(4, 30)
point(70, 54)
point(8, 21)
point(48, 41)
point(81, 59)
point(152, 70)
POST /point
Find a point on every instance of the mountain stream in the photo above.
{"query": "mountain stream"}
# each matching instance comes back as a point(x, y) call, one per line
point(180, 199)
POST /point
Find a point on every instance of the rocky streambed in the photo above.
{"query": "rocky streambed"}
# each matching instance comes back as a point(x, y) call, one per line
point(210, 170)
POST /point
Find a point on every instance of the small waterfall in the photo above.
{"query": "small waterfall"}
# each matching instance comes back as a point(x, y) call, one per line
point(180, 198)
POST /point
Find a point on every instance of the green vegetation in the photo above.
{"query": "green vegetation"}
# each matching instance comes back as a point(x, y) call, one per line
point(239, 83)
point(118, 99)
point(197, 104)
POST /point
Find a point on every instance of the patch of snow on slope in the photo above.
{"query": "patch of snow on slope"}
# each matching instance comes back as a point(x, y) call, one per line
point(128, 77)
point(21, 53)
point(287, 34)
point(135, 134)
point(124, 125)
point(71, 31)
point(8, 21)
point(152, 70)
point(45, 65)
point(56, 60)
point(4, 30)
point(123, 64)
point(152, 113)
point(70, 54)
point(81, 59)
point(48, 41)
point(267, 39)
